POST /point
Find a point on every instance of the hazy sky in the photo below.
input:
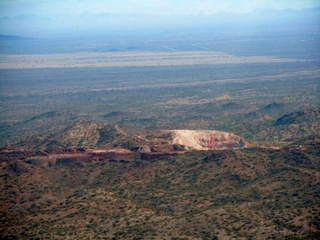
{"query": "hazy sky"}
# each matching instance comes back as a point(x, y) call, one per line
point(13, 8)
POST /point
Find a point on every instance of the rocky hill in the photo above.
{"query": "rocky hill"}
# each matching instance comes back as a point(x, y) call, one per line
point(241, 194)
point(273, 125)
point(312, 141)
point(298, 117)
point(82, 134)
point(89, 135)
point(293, 126)
point(201, 139)
point(94, 180)
point(44, 123)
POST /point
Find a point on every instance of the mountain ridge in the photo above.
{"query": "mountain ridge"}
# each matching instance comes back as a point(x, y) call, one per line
point(88, 135)
point(82, 134)
point(230, 193)
point(86, 22)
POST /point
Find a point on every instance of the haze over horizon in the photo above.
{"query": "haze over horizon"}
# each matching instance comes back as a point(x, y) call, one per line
point(80, 17)
point(153, 7)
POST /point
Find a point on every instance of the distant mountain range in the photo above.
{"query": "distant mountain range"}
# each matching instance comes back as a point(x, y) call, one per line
point(12, 38)
point(89, 23)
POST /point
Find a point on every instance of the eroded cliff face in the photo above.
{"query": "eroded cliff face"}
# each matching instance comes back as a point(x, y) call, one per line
point(201, 139)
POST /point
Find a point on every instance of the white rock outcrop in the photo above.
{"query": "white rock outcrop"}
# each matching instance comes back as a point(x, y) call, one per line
point(203, 139)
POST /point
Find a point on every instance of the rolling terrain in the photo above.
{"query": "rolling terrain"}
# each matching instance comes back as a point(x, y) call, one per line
point(250, 193)
point(161, 138)
point(94, 180)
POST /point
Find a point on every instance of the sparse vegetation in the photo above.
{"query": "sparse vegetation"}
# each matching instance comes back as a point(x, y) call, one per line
point(58, 181)
point(178, 196)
